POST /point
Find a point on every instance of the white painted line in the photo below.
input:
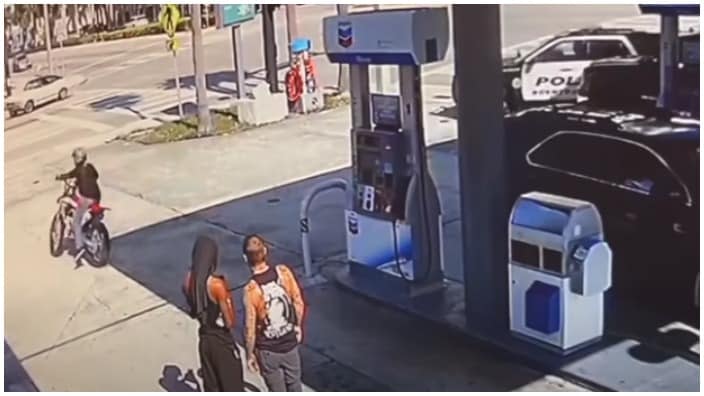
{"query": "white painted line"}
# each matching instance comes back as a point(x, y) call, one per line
point(168, 99)
point(142, 59)
point(75, 122)
point(93, 96)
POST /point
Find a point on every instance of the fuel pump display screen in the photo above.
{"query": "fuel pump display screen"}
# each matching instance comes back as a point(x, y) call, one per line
point(386, 111)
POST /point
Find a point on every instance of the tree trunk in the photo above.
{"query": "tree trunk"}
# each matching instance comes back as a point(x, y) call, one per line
point(118, 15)
point(35, 29)
point(47, 40)
point(98, 14)
point(109, 20)
point(93, 17)
point(204, 122)
point(51, 18)
point(63, 14)
point(74, 19)
point(343, 70)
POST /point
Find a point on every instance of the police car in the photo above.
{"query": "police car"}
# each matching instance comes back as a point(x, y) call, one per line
point(552, 72)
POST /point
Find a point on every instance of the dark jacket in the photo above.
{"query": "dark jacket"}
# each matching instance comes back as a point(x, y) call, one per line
point(86, 180)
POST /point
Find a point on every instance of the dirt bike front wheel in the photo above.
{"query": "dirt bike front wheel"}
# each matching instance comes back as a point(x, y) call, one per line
point(56, 236)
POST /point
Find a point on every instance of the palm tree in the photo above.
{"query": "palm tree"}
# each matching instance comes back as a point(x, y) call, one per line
point(24, 16)
point(205, 126)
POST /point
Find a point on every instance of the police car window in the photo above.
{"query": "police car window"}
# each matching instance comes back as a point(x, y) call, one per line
point(572, 50)
point(600, 49)
point(646, 44)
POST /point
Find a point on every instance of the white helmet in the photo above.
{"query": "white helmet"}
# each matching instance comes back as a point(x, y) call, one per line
point(79, 155)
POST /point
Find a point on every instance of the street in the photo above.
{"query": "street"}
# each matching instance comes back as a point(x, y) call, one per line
point(122, 327)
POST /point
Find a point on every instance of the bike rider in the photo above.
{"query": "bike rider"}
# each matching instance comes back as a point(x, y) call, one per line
point(86, 194)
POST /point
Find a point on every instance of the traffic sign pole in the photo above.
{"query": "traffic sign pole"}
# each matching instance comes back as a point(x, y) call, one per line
point(237, 57)
point(233, 15)
point(169, 20)
point(178, 86)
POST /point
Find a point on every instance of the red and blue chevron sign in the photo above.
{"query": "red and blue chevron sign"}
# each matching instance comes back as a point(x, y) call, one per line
point(344, 34)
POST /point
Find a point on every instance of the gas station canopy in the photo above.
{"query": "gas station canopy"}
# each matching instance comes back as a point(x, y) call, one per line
point(667, 9)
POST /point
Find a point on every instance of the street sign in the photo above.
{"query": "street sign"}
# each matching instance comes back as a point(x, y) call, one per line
point(169, 18)
point(227, 15)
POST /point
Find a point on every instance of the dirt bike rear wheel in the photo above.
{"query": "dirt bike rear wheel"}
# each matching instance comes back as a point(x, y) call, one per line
point(100, 238)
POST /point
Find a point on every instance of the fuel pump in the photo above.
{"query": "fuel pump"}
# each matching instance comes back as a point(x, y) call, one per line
point(394, 230)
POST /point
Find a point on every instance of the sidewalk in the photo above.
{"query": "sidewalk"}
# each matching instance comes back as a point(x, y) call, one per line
point(123, 327)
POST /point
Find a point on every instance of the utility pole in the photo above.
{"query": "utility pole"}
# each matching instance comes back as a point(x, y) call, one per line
point(47, 39)
point(343, 70)
point(205, 126)
point(291, 27)
point(272, 73)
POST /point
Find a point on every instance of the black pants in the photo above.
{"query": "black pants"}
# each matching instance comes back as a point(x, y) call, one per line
point(221, 364)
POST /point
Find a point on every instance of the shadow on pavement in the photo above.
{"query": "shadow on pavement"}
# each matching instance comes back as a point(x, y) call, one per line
point(126, 102)
point(16, 377)
point(173, 380)
point(222, 82)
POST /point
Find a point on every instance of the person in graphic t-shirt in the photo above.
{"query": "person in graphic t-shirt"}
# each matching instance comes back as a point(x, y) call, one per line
point(274, 311)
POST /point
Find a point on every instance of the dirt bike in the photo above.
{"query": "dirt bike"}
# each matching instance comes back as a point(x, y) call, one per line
point(95, 234)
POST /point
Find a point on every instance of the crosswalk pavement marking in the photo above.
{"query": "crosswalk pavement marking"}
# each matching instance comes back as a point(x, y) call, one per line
point(145, 102)
point(157, 103)
point(87, 97)
point(124, 100)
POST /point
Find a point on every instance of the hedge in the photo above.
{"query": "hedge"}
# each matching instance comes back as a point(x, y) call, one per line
point(137, 31)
